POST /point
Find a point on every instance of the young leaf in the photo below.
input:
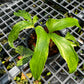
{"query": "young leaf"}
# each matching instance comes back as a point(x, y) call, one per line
point(24, 14)
point(16, 29)
point(72, 43)
point(26, 52)
point(50, 23)
point(54, 24)
point(71, 38)
point(40, 53)
point(35, 19)
point(66, 51)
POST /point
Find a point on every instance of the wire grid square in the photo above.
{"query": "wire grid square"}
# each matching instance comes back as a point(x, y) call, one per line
point(57, 68)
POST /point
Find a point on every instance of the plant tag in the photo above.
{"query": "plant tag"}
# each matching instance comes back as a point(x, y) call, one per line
point(14, 71)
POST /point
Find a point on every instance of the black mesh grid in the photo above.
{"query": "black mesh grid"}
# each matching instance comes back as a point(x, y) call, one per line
point(57, 69)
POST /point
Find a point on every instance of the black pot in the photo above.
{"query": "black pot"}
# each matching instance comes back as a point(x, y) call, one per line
point(62, 33)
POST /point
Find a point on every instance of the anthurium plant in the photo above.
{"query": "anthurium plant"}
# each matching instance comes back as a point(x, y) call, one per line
point(39, 55)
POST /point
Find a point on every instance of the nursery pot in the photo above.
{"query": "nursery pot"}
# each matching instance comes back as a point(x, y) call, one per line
point(53, 50)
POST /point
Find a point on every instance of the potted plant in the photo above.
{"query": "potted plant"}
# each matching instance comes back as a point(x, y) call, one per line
point(39, 55)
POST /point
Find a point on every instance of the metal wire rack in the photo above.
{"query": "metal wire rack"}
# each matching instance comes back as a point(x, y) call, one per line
point(57, 67)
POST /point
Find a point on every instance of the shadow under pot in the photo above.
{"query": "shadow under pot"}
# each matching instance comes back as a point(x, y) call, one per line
point(53, 50)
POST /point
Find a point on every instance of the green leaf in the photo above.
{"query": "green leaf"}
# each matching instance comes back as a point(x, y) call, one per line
point(50, 23)
point(71, 38)
point(72, 43)
point(66, 51)
point(23, 51)
point(25, 59)
point(16, 29)
point(35, 19)
point(40, 53)
point(54, 24)
point(26, 52)
point(24, 14)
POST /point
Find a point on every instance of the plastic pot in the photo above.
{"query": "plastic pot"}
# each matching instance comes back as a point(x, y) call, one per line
point(53, 50)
